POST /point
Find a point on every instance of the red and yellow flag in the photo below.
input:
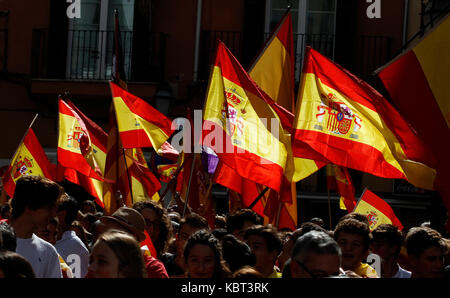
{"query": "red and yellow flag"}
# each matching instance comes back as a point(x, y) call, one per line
point(122, 168)
point(234, 127)
point(376, 210)
point(349, 123)
point(139, 124)
point(417, 82)
point(98, 139)
point(75, 148)
point(338, 179)
point(29, 159)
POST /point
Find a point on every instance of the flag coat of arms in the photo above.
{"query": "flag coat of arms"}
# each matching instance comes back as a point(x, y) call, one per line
point(349, 123)
point(139, 124)
point(376, 210)
point(29, 159)
point(75, 148)
point(233, 124)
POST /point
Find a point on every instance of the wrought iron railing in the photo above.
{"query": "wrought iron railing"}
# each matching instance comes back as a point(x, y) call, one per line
point(89, 55)
point(370, 52)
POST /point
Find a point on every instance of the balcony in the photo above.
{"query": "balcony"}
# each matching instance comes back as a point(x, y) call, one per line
point(81, 64)
point(89, 55)
point(371, 52)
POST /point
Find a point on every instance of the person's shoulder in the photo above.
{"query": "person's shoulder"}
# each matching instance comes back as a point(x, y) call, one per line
point(47, 246)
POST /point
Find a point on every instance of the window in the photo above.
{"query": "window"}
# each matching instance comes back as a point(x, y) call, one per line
point(313, 23)
point(90, 39)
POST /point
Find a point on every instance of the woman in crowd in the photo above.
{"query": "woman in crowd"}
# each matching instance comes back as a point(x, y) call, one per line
point(116, 254)
point(203, 257)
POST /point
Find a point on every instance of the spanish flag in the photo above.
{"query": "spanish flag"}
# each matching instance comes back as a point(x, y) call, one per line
point(139, 124)
point(124, 168)
point(75, 148)
point(376, 210)
point(418, 84)
point(338, 178)
point(349, 123)
point(29, 159)
point(98, 140)
point(234, 115)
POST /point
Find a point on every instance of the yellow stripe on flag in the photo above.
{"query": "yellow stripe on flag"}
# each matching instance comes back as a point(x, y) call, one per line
point(374, 216)
point(127, 121)
point(433, 55)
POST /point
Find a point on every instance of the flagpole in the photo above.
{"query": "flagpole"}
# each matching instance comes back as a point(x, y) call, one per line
point(329, 209)
point(128, 174)
point(26, 132)
point(258, 198)
point(175, 177)
point(277, 221)
point(189, 185)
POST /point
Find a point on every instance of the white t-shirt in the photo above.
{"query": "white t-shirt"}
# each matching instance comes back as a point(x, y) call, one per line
point(402, 273)
point(74, 253)
point(42, 256)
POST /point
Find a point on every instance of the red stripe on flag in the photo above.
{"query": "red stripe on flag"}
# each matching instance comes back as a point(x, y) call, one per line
point(375, 164)
point(136, 137)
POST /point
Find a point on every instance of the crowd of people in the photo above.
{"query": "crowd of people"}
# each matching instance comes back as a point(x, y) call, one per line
point(46, 233)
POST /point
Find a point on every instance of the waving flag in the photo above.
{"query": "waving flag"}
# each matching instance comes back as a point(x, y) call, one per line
point(338, 178)
point(376, 210)
point(139, 124)
point(75, 149)
point(29, 159)
point(97, 140)
point(233, 124)
point(349, 123)
point(417, 82)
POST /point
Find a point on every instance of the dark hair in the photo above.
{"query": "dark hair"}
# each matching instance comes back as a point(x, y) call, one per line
point(204, 237)
point(127, 250)
point(354, 215)
point(236, 253)
point(34, 192)
point(237, 219)
point(418, 239)
point(194, 220)
point(4, 209)
point(165, 225)
point(219, 233)
point(88, 203)
point(14, 265)
point(269, 233)
point(308, 227)
point(353, 226)
point(70, 205)
point(7, 237)
point(390, 233)
point(317, 221)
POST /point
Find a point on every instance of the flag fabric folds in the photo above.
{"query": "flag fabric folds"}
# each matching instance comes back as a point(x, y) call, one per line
point(349, 123)
point(376, 210)
point(338, 179)
point(233, 125)
point(75, 148)
point(139, 124)
point(417, 82)
point(29, 159)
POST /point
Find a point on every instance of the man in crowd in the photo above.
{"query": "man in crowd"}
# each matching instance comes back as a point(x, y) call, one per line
point(69, 245)
point(426, 250)
point(315, 254)
point(33, 204)
point(266, 245)
point(386, 242)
